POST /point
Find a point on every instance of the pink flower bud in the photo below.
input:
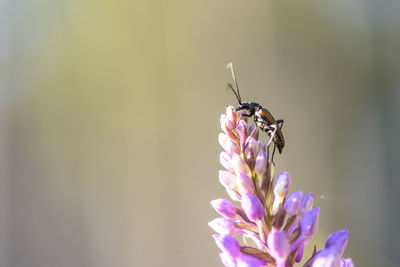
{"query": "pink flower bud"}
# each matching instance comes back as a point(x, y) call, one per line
point(227, 179)
point(231, 114)
point(228, 144)
point(224, 207)
point(241, 131)
point(233, 194)
point(222, 140)
point(239, 166)
point(227, 126)
point(251, 148)
point(244, 183)
point(222, 226)
point(261, 163)
point(223, 121)
point(226, 161)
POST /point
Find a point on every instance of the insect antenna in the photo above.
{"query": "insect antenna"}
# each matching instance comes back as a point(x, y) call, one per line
point(230, 86)
point(237, 93)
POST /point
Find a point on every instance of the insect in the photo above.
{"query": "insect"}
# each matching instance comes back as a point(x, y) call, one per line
point(262, 117)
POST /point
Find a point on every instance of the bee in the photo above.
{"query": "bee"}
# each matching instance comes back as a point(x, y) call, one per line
point(263, 119)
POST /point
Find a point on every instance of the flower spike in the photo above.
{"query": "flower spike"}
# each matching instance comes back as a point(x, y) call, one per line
point(280, 224)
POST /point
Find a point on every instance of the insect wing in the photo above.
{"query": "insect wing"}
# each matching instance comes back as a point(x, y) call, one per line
point(267, 116)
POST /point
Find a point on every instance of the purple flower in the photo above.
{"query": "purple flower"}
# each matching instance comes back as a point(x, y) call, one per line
point(309, 222)
point(338, 240)
point(228, 245)
point(299, 254)
point(281, 188)
point(292, 203)
point(346, 263)
point(248, 261)
point(308, 227)
point(281, 225)
point(252, 207)
point(306, 203)
point(331, 255)
point(278, 245)
point(224, 207)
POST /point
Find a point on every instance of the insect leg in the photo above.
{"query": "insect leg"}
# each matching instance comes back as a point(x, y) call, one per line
point(272, 132)
point(273, 154)
point(234, 127)
point(248, 138)
point(240, 116)
point(280, 123)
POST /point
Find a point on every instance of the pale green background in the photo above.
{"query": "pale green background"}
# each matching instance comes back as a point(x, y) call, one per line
point(109, 116)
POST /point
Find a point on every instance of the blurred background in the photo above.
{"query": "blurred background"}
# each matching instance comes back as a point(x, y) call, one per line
point(109, 117)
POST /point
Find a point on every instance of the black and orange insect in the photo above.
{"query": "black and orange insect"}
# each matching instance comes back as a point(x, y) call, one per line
point(262, 117)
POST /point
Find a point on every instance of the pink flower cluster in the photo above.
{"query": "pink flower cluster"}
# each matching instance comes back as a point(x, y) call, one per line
point(275, 226)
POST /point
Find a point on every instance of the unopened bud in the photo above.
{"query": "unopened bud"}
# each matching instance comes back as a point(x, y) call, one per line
point(252, 207)
point(261, 163)
point(309, 222)
point(224, 207)
point(292, 203)
point(244, 183)
point(228, 244)
point(222, 226)
point(239, 166)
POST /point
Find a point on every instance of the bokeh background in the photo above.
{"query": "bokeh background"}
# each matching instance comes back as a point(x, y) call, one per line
point(109, 116)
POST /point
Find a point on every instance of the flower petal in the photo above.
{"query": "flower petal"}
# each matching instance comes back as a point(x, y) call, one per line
point(309, 222)
point(252, 207)
point(228, 244)
point(292, 203)
point(248, 261)
point(222, 226)
point(224, 207)
point(244, 183)
point(278, 244)
point(227, 179)
point(239, 166)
